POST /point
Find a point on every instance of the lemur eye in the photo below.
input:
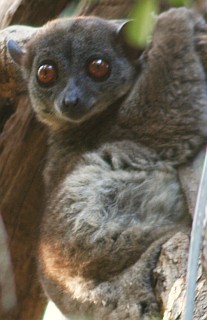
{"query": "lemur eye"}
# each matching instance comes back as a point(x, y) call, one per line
point(98, 69)
point(47, 74)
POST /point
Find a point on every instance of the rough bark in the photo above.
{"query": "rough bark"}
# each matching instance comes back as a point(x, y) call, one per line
point(29, 12)
point(22, 154)
point(170, 276)
point(112, 9)
point(106, 9)
point(11, 82)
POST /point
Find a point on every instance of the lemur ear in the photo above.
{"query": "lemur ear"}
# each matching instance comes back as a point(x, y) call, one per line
point(16, 52)
point(131, 48)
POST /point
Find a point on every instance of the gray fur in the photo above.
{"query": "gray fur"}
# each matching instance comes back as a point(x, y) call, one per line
point(113, 194)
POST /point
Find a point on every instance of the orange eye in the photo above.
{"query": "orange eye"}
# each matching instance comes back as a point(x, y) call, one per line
point(98, 69)
point(47, 74)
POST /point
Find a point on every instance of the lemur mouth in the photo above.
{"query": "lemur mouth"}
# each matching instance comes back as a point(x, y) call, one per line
point(82, 112)
point(76, 113)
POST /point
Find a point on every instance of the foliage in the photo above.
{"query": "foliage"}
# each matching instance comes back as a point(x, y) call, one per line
point(143, 17)
point(179, 3)
point(139, 31)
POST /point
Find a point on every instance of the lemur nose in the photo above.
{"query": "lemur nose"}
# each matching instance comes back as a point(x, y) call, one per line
point(71, 101)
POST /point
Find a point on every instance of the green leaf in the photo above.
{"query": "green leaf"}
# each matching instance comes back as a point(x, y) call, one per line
point(180, 3)
point(141, 29)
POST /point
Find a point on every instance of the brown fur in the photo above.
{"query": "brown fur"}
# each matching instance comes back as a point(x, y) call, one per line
point(113, 194)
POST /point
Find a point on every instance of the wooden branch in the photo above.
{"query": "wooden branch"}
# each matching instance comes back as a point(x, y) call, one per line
point(29, 12)
point(11, 82)
point(170, 277)
point(105, 9)
point(22, 153)
point(8, 292)
point(112, 9)
point(189, 176)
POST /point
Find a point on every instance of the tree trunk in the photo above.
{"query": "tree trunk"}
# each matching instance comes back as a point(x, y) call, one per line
point(170, 279)
point(22, 154)
point(29, 12)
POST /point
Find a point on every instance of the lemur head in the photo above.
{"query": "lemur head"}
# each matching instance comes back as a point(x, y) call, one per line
point(77, 67)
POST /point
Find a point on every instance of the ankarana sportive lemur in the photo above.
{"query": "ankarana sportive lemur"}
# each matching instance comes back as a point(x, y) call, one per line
point(120, 124)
